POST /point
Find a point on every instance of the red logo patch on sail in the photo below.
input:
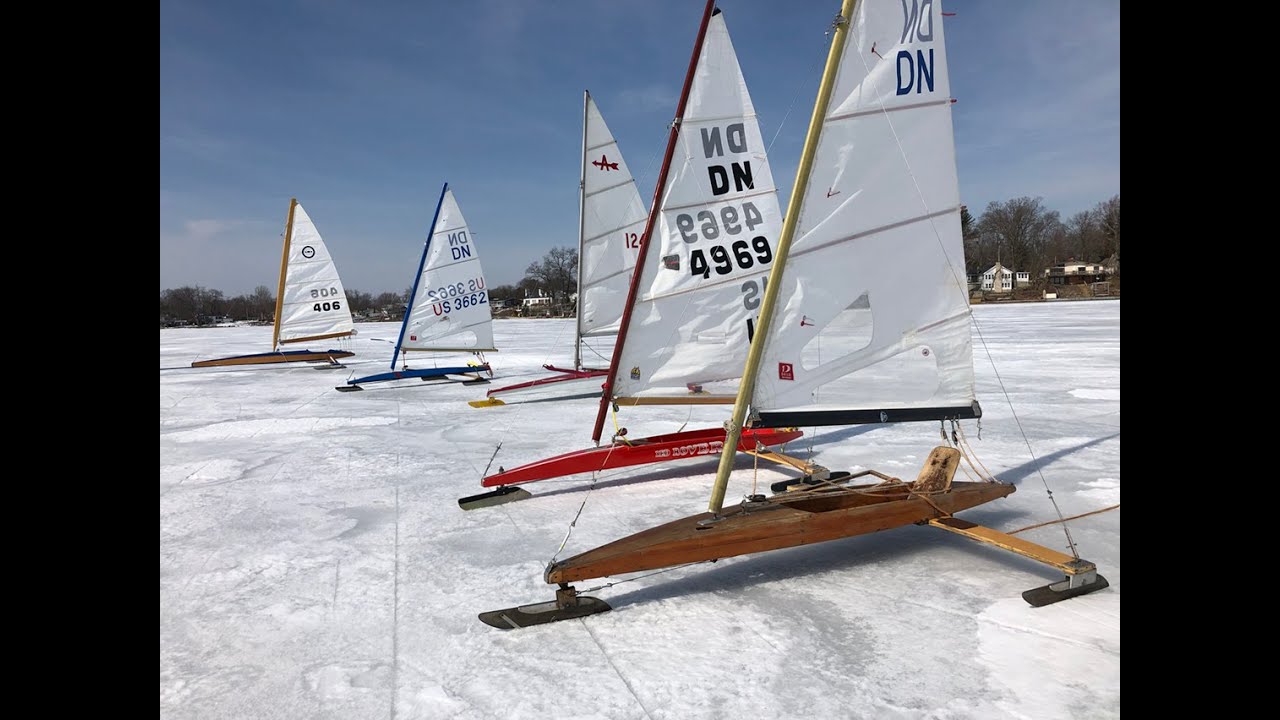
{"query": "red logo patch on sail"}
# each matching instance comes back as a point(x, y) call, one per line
point(604, 164)
point(414, 338)
point(786, 371)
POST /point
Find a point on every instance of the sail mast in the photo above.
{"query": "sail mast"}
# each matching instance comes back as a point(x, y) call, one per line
point(582, 210)
point(413, 294)
point(654, 208)
point(284, 268)
point(789, 224)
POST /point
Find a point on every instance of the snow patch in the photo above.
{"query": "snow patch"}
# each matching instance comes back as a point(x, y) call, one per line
point(1048, 672)
point(240, 429)
point(1097, 394)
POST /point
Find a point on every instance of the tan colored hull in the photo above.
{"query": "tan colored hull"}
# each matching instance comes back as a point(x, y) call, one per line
point(782, 521)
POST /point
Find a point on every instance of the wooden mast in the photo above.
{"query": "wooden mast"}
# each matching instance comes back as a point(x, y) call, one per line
point(654, 209)
point(582, 209)
point(284, 268)
point(789, 224)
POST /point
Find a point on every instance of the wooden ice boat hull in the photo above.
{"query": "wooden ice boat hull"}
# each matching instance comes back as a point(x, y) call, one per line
point(659, 448)
point(276, 357)
point(781, 521)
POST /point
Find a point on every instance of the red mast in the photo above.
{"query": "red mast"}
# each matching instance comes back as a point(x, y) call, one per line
point(606, 396)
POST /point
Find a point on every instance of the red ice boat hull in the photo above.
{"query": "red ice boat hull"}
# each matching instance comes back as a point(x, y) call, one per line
point(659, 448)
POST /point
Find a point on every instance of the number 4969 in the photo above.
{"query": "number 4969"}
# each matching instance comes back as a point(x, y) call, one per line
point(724, 262)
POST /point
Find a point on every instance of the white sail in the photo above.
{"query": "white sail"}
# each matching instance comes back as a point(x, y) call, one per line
point(874, 292)
point(613, 217)
point(313, 302)
point(712, 245)
point(451, 305)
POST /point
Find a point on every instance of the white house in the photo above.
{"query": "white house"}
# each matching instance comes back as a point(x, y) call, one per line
point(999, 278)
point(1074, 272)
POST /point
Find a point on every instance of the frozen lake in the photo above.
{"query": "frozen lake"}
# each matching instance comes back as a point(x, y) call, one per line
point(314, 562)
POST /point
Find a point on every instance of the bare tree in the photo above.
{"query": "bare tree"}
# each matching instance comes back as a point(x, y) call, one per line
point(530, 287)
point(262, 303)
point(1081, 236)
point(359, 302)
point(238, 307)
point(193, 304)
point(557, 272)
point(391, 304)
point(1019, 233)
point(1108, 212)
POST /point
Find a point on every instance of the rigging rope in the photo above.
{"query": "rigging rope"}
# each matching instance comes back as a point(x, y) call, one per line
point(969, 454)
point(574, 522)
point(619, 433)
point(595, 478)
point(1071, 543)
point(1073, 517)
point(641, 577)
point(820, 62)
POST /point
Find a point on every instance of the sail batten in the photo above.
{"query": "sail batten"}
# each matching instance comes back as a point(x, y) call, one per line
point(702, 203)
point(711, 120)
point(624, 183)
point(606, 236)
point(612, 275)
point(873, 231)
point(686, 291)
point(896, 108)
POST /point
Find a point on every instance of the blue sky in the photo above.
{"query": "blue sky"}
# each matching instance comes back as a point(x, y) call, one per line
point(362, 110)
